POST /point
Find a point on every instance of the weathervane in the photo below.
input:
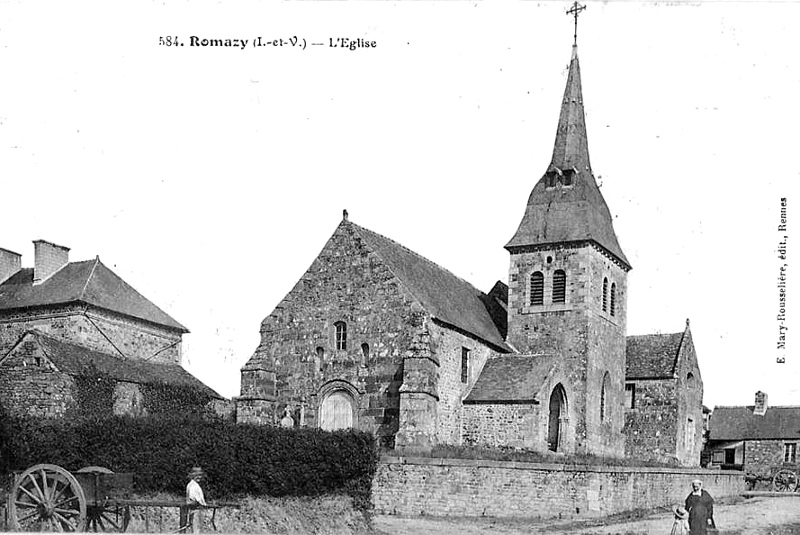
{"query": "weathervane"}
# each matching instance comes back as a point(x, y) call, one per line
point(574, 11)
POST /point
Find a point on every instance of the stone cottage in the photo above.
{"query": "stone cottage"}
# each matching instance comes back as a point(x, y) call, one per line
point(663, 398)
point(377, 337)
point(61, 318)
point(757, 438)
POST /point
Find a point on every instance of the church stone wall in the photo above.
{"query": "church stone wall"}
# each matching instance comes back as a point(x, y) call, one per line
point(667, 419)
point(500, 425)
point(346, 283)
point(448, 346)
point(689, 400)
point(96, 329)
point(651, 426)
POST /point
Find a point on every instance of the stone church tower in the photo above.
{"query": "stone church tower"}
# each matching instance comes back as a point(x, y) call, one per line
point(568, 289)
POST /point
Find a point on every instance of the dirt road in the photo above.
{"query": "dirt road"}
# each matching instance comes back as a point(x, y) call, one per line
point(753, 516)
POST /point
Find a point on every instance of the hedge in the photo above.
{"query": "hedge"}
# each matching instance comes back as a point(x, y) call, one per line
point(238, 459)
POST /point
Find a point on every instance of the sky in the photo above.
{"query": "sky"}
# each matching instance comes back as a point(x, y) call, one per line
point(209, 178)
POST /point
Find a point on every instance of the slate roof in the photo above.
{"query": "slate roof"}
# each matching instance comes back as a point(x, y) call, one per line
point(577, 213)
point(445, 296)
point(652, 356)
point(511, 378)
point(88, 282)
point(739, 423)
point(73, 359)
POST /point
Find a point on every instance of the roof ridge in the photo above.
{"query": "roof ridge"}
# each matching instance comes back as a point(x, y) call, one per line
point(89, 278)
point(428, 260)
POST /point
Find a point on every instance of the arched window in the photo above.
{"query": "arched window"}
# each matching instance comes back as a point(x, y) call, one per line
point(537, 288)
point(558, 415)
point(365, 354)
point(690, 380)
point(337, 411)
point(559, 286)
point(604, 397)
point(613, 304)
point(605, 294)
point(341, 335)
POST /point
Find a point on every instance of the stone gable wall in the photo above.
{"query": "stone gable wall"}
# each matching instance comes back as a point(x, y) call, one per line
point(690, 406)
point(462, 487)
point(30, 385)
point(96, 329)
point(348, 283)
point(658, 426)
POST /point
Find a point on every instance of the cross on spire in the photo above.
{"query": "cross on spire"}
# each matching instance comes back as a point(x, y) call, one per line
point(574, 10)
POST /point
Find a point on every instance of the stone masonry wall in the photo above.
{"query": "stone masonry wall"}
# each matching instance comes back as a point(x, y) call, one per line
point(494, 425)
point(98, 330)
point(448, 346)
point(346, 283)
point(30, 385)
point(689, 440)
point(764, 456)
point(445, 487)
point(651, 426)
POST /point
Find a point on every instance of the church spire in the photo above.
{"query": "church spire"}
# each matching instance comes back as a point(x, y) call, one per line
point(571, 149)
point(566, 206)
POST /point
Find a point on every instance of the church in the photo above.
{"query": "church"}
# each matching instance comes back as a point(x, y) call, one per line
point(377, 337)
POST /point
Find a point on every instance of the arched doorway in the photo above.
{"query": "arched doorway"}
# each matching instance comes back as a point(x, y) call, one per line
point(336, 411)
point(557, 418)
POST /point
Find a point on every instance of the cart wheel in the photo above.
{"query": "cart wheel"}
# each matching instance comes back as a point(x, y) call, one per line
point(784, 481)
point(46, 498)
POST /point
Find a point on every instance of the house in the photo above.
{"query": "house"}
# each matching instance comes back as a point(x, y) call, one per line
point(663, 398)
point(756, 438)
point(59, 319)
point(377, 337)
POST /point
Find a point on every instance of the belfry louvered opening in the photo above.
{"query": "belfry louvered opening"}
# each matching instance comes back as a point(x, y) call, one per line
point(537, 288)
point(559, 286)
point(605, 294)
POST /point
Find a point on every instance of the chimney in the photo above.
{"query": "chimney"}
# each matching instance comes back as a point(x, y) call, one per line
point(48, 258)
point(10, 263)
point(761, 403)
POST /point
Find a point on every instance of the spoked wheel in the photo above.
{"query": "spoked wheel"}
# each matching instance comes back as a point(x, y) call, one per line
point(784, 481)
point(47, 498)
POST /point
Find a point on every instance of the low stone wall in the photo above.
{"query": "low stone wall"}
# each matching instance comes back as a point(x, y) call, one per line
point(466, 487)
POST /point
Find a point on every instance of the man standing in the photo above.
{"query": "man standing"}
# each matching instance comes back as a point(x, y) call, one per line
point(195, 499)
point(700, 505)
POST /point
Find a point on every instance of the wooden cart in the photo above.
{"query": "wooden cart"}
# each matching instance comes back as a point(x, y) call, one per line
point(46, 497)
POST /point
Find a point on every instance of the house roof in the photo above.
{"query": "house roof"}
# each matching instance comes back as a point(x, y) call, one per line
point(511, 378)
point(574, 213)
point(652, 356)
point(88, 282)
point(74, 359)
point(739, 423)
point(445, 296)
